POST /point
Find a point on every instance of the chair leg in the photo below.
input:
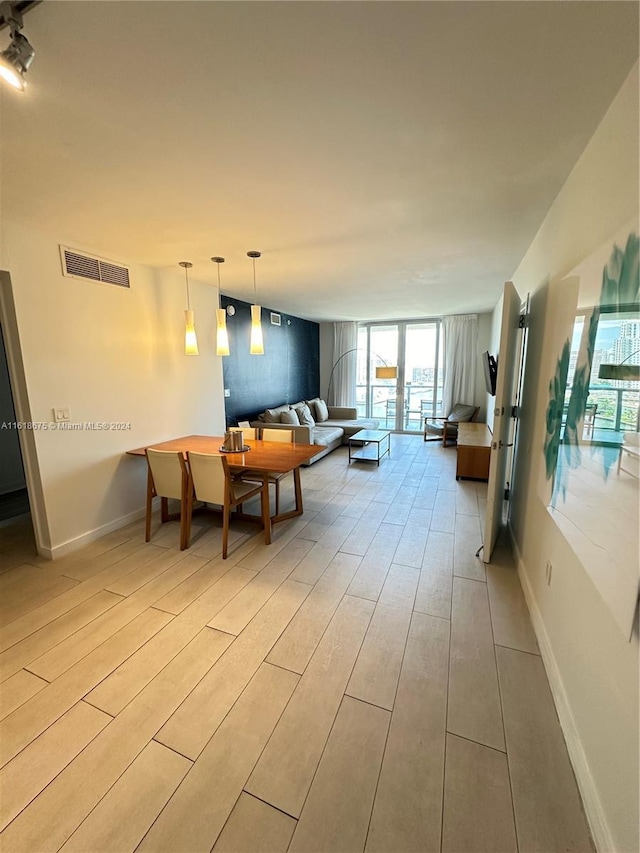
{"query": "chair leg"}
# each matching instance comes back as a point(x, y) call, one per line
point(185, 519)
point(266, 515)
point(147, 529)
point(225, 530)
point(164, 510)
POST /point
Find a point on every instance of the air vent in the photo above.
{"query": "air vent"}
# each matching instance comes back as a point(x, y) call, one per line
point(79, 265)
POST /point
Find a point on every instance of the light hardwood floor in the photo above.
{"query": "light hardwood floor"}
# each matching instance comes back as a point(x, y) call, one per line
point(364, 683)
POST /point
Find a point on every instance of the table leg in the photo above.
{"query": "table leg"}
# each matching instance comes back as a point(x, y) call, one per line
point(266, 511)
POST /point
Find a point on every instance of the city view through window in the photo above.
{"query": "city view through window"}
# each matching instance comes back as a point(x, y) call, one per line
point(612, 405)
point(415, 348)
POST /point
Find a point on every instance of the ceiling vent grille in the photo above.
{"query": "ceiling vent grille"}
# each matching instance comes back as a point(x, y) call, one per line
point(79, 265)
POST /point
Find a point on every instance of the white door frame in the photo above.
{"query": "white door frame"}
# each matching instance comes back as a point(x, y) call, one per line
point(17, 379)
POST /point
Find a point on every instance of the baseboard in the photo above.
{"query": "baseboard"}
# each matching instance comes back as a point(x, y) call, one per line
point(592, 804)
point(70, 545)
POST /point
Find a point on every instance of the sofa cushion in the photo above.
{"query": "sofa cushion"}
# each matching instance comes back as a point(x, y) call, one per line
point(350, 427)
point(304, 415)
point(461, 413)
point(327, 435)
point(318, 409)
point(290, 417)
point(272, 416)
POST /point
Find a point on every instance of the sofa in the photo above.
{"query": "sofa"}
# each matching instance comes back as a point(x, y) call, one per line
point(313, 422)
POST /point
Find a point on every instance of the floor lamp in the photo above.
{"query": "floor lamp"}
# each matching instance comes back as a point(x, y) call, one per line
point(383, 372)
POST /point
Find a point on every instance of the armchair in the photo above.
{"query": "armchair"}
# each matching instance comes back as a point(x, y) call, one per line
point(447, 428)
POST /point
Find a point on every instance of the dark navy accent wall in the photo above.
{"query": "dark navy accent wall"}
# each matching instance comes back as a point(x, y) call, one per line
point(288, 371)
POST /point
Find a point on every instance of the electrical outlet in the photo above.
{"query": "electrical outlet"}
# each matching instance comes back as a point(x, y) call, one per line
point(549, 572)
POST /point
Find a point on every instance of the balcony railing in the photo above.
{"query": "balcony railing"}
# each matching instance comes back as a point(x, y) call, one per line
point(379, 401)
point(616, 413)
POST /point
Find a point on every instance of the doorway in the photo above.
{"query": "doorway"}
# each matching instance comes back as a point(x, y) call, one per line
point(415, 348)
point(14, 499)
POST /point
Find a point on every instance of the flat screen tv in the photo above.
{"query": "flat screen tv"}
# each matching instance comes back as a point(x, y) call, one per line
point(490, 366)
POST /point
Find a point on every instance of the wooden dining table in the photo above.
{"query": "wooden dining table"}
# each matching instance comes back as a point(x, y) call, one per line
point(262, 456)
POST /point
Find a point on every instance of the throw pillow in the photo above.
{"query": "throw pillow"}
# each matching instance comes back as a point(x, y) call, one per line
point(318, 409)
point(290, 417)
point(305, 416)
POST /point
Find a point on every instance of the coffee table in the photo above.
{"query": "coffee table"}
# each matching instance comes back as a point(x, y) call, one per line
point(368, 443)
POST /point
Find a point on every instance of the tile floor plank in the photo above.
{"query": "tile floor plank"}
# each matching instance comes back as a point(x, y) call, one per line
point(16, 690)
point(436, 576)
point(467, 540)
point(407, 811)
point(301, 637)
point(474, 710)
point(285, 770)
point(38, 643)
point(313, 565)
point(215, 781)
point(170, 570)
point(123, 816)
point(191, 588)
point(58, 811)
point(370, 577)
point(255, 827)
point(237, 614)
point(39, 589)
point(125, 682)
point(36, 619)
point(29, 720)
point(541, 774)
point(478, 814)
point(31, 770)
point(191, 726)
point(375, 675)
point(337, 811)
point(509, 613)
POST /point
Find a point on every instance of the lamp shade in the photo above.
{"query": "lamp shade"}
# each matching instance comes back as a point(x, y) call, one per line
point(620, 372)
point(190, 339)
point(386, 372)
point(257, 345)
point(222, 336)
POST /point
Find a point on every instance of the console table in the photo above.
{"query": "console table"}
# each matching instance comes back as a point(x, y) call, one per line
point(474, 451)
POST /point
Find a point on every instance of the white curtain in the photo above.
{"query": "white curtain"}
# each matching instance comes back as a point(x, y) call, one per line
point(342, 390)
point(460, 360)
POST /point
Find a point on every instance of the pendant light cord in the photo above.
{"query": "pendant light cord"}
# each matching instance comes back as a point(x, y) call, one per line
point(186, 275)
point(255, 289)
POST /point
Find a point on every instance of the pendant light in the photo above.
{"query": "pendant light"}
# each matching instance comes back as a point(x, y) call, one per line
point(222, 337)
point(190, 340)
point(257, 345)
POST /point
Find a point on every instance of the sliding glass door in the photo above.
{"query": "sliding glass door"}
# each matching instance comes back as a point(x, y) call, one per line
point(415, 349)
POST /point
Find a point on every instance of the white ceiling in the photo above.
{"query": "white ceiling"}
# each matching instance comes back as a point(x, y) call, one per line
point(390, 159)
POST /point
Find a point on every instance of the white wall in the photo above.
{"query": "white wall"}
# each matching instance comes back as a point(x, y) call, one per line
point(484, 343)
point(108, 355)
point(593, 669)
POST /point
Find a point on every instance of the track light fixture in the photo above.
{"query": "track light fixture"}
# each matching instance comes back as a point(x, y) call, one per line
point(18, 56)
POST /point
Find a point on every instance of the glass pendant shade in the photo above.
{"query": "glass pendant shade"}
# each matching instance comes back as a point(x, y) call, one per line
point(257, 344)
point(222, 337)
point(190, 339)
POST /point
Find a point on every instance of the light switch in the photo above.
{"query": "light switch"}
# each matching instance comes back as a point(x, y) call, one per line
point(227, 392)
point(60, 415)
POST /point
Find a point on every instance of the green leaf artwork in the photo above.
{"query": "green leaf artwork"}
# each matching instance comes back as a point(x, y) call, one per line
point(620, 292)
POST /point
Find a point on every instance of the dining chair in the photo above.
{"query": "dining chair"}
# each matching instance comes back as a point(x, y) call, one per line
point(213, 484)
point(168, 477)
point(273, 478)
